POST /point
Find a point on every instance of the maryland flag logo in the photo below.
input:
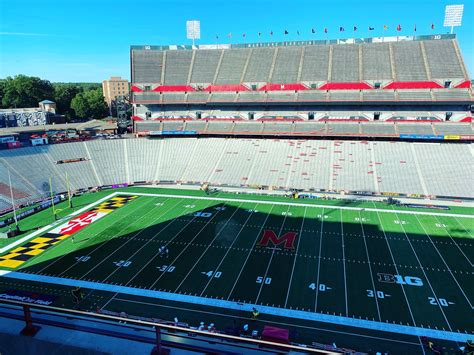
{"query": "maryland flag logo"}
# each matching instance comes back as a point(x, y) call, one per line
point(38, 245)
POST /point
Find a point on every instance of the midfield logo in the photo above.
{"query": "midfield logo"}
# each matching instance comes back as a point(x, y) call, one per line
point(270, 236)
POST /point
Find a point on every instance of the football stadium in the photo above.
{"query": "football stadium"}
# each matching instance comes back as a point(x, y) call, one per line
point(271, 197)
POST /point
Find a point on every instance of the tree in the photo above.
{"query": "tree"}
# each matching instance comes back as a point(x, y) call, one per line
point(63, 95)
point(89, 104)
point(25, 91)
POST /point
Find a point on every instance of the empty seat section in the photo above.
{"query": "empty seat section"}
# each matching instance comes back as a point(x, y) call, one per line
point(442, 59)
point(286, 65)
point(376, 61)
point(205, 65)
point(177, 67)
point(345, 63)
point(408, 61)
point(232, 66)
point(260, 63)
point(146, 66)
point(315, 63)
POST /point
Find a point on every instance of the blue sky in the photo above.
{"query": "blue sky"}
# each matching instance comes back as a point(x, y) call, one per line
point(88, 40)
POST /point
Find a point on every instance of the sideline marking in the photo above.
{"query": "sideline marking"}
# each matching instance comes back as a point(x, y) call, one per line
point(263, 202)
point(290, 313)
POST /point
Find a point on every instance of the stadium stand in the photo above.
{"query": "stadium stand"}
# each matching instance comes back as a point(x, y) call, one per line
point(372, 167)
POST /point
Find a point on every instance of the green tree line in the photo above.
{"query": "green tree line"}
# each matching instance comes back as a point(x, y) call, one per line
point(74, 100)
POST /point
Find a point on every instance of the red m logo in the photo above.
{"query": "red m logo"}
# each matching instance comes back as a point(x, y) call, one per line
point(270, 236)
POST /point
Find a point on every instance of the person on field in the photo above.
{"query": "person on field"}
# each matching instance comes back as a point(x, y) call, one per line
point(77, 295)
point(255, 313)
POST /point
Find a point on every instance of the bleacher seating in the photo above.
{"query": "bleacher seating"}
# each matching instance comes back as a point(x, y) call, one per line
point(177, 67)
point(147, 66)
point(259, 65)
point(286, 65)
point(442, 59)
point(345, 63)
point(315, 64)
point(420, 168)
point(376, 62)
point(232, 66)
point(205, 65)
point(408, 61)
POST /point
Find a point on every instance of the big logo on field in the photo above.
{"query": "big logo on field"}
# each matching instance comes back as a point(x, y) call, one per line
point(269, 238)
point(39, 245)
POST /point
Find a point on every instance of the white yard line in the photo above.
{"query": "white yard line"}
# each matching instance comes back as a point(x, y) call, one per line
point(271, 257)
point(370, 266)
point(396, 269)
point(250, 252)
point(229, 248)
point(344, 264)
point(445, 264)
point(48, 227)
point(319, 260)
point(208, 246)
point(454, 242)
point(424, 273)
point(101, 245)
point(188, 244)
point(299, 204)
point(296, 257)
point(281, 312)
point(144, 244)
point(58, 259)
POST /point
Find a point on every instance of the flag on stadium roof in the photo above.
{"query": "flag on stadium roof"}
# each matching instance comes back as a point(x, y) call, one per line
point(399, 28)
point(385, 27)
point(325, 30)
point(355, 28)
point(341, 29)
point(217, 37)
point(432, 26)
point(271, 33)
point(313, 30)
point(414, 28)
point(371, 28)
point(286, 32)
point(243, 35)
point(298, 33)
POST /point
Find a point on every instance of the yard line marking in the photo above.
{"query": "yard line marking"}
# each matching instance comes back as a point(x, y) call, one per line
point(281, 312)
point(424, 273)
point(266, 321)
point(189, 243)
point(208, 246)
point(445, 264)
point(101, 245)
point(271, 257)
point(396, 269)
point(230, 248)
point(344, 263)
point(370, 266)
point(319, 260)
point(149, 240)
point(296, 257)
point(301, 204)
point(462, 226)
point(250, 252)
point(454, 242)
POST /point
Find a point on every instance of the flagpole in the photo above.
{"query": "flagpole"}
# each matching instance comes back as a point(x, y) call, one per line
point(13, 201)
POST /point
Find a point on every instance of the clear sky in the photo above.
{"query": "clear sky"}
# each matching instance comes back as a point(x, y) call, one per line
point(88, 40)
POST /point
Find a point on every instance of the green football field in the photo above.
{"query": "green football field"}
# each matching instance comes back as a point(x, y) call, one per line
point(367, 267)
